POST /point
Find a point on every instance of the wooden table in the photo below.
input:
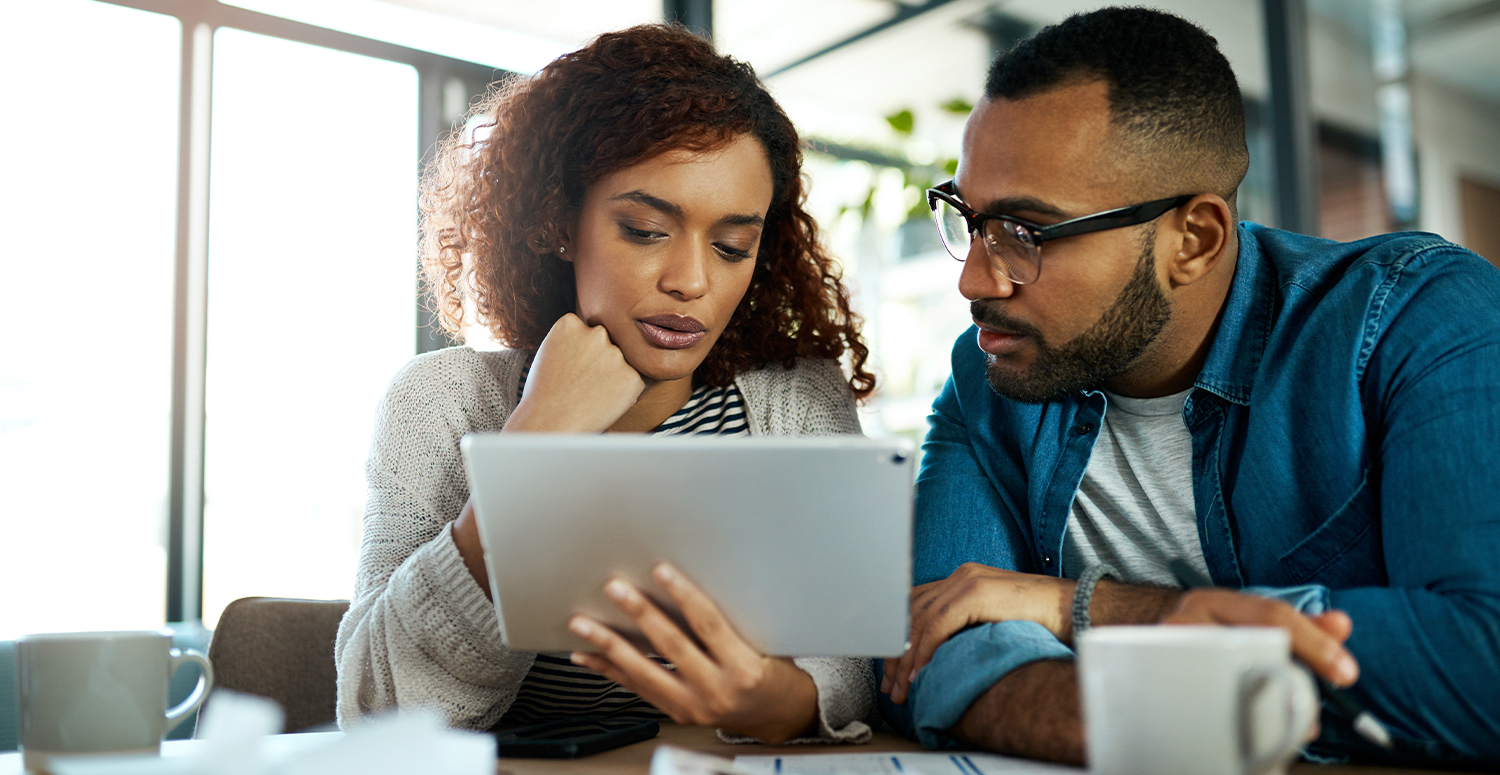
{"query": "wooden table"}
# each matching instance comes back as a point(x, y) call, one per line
point(635, 759)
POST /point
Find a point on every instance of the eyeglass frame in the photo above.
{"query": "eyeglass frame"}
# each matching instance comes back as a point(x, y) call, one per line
point(1119, 217)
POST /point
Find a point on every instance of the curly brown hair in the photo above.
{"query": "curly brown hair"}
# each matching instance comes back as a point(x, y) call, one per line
point(496, 203)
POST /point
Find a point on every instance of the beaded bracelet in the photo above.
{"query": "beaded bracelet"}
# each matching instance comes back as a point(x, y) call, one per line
point(1083, 595)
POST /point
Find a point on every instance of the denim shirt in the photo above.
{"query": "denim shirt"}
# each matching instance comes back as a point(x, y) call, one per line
point(1346, 454)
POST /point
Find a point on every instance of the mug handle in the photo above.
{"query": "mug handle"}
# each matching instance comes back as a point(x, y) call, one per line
point(1302, 702)
point(200, 692)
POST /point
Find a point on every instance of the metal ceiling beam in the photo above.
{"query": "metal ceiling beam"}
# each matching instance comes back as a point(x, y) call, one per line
point(903, 14)
point(696, 15)
point(1294, 159)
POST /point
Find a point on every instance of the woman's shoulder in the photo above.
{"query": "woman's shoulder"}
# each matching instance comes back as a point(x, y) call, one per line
point(463, 375)
point(805, 372)
point(811, 397)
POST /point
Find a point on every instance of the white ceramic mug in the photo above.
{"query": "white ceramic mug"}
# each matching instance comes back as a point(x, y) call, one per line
point(86, 693)
point(1170, 700)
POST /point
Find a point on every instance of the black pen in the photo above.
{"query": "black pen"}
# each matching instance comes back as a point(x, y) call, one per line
point(1363, 721)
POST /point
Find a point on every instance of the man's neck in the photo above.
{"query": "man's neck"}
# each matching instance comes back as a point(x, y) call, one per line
point(1172, 363)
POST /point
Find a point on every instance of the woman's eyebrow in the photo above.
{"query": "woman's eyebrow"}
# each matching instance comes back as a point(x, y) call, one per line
point(657, 203)
point(742, 220)
point(653, 202)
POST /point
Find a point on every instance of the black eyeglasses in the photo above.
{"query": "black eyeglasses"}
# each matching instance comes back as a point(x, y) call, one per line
point(1013, 244)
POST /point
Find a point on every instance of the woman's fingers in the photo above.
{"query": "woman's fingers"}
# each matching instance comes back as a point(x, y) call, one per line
point(623, 663)
point(704, 616)
point(664, 635)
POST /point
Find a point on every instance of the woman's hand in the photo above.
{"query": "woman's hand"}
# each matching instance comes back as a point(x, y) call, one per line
point(724, 683)
point(579, 382)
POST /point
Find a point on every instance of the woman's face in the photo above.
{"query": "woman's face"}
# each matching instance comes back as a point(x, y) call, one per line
point(663, 252)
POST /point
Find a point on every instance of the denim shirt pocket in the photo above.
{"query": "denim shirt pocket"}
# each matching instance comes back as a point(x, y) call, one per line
point(1324, 555)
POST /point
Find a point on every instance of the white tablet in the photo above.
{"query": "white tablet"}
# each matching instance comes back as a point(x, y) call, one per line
point(805, 543)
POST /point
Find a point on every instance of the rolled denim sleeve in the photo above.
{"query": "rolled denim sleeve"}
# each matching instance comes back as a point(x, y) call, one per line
point(1309, 599)
point(964, 668)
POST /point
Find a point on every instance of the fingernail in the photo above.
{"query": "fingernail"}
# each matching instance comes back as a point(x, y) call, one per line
point(576, 658)
point(912, 677)
point(1346, 670)
point(581, 628)
point(665, 574)
point(885, 684)
point(617, 589)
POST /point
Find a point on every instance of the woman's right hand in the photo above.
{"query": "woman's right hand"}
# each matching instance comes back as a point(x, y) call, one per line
point(579, 382)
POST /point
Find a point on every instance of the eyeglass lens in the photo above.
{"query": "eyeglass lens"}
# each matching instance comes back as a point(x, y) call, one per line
point(1008, 244)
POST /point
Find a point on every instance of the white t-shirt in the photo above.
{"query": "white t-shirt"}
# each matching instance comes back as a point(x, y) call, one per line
point(1134, 508)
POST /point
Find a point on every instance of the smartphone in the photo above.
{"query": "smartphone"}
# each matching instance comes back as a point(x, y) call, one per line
point(569, 738)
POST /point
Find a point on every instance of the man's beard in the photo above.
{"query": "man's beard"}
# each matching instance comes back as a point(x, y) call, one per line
point(1107, 348)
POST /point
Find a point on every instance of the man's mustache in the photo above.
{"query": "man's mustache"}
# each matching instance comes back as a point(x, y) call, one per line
point(991, 313)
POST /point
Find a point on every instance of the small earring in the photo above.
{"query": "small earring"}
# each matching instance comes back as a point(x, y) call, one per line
point(561, 250)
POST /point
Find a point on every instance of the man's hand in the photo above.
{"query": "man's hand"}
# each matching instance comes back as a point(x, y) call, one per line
point(723, 683)
point(579, 382)
point(1317, 641)
point(975, 594)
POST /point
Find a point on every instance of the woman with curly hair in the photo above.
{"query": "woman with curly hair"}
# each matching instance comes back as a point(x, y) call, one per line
point(630, 223)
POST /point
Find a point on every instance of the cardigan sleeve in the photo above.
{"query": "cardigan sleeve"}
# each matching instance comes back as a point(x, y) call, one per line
point(419, 631)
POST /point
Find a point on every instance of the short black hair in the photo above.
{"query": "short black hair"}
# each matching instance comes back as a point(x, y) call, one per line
point(1169, 85)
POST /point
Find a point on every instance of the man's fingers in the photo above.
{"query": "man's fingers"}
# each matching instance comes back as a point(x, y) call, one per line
point(1335, 623)
point(1315, 642)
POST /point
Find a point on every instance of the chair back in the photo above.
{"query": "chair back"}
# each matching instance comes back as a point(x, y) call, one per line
point(282, 649)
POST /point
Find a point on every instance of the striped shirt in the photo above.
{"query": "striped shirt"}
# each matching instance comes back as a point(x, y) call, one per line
point(557, 688)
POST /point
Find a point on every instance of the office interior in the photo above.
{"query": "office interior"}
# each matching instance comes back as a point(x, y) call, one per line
point(209, 216)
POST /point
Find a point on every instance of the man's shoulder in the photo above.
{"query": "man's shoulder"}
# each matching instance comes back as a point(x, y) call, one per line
point(1312, 263)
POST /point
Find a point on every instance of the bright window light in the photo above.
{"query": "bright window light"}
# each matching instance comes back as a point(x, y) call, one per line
point(412, 28)
point(88, 210)
point(311, 305)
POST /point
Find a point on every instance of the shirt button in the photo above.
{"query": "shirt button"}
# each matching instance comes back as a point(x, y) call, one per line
point(1047, 560)
point(1083, 429)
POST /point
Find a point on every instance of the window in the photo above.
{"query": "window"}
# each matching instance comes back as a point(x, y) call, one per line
point(88, 210)
point(311, 280)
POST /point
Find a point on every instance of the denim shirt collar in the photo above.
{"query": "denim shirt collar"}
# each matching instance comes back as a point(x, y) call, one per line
point(1244, 327)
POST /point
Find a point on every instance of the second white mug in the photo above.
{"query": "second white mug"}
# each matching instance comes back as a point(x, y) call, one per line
point(1180, 700)
point(86, 693)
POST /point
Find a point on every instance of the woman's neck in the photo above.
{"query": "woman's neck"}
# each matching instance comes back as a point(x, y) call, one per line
point(659, 401)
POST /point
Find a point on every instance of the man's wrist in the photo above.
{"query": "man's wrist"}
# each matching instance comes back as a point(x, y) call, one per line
point(1115, 603)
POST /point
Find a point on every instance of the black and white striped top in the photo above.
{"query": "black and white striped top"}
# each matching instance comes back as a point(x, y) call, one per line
point(557, 688)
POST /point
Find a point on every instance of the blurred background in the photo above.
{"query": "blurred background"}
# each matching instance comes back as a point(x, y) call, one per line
point(208, 220)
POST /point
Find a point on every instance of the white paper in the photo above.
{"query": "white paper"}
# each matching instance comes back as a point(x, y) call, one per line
point(918, 763)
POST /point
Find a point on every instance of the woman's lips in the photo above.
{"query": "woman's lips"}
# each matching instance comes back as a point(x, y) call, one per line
point(998, 342)
point(672, 332)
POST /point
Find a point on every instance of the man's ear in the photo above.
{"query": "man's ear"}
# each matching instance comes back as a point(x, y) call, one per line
point(1202, 235)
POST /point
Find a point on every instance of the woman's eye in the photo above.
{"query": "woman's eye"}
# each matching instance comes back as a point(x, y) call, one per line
point(732, 253)
point(639, 235)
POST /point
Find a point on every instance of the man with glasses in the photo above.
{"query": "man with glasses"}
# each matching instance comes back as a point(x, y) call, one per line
point(1156, 396)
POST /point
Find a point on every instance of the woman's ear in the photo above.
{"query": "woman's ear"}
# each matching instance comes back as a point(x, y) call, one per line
point(1204, 226)
point(564, 249)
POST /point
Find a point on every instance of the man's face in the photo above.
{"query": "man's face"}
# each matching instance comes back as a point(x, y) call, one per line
point(1098, 303)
